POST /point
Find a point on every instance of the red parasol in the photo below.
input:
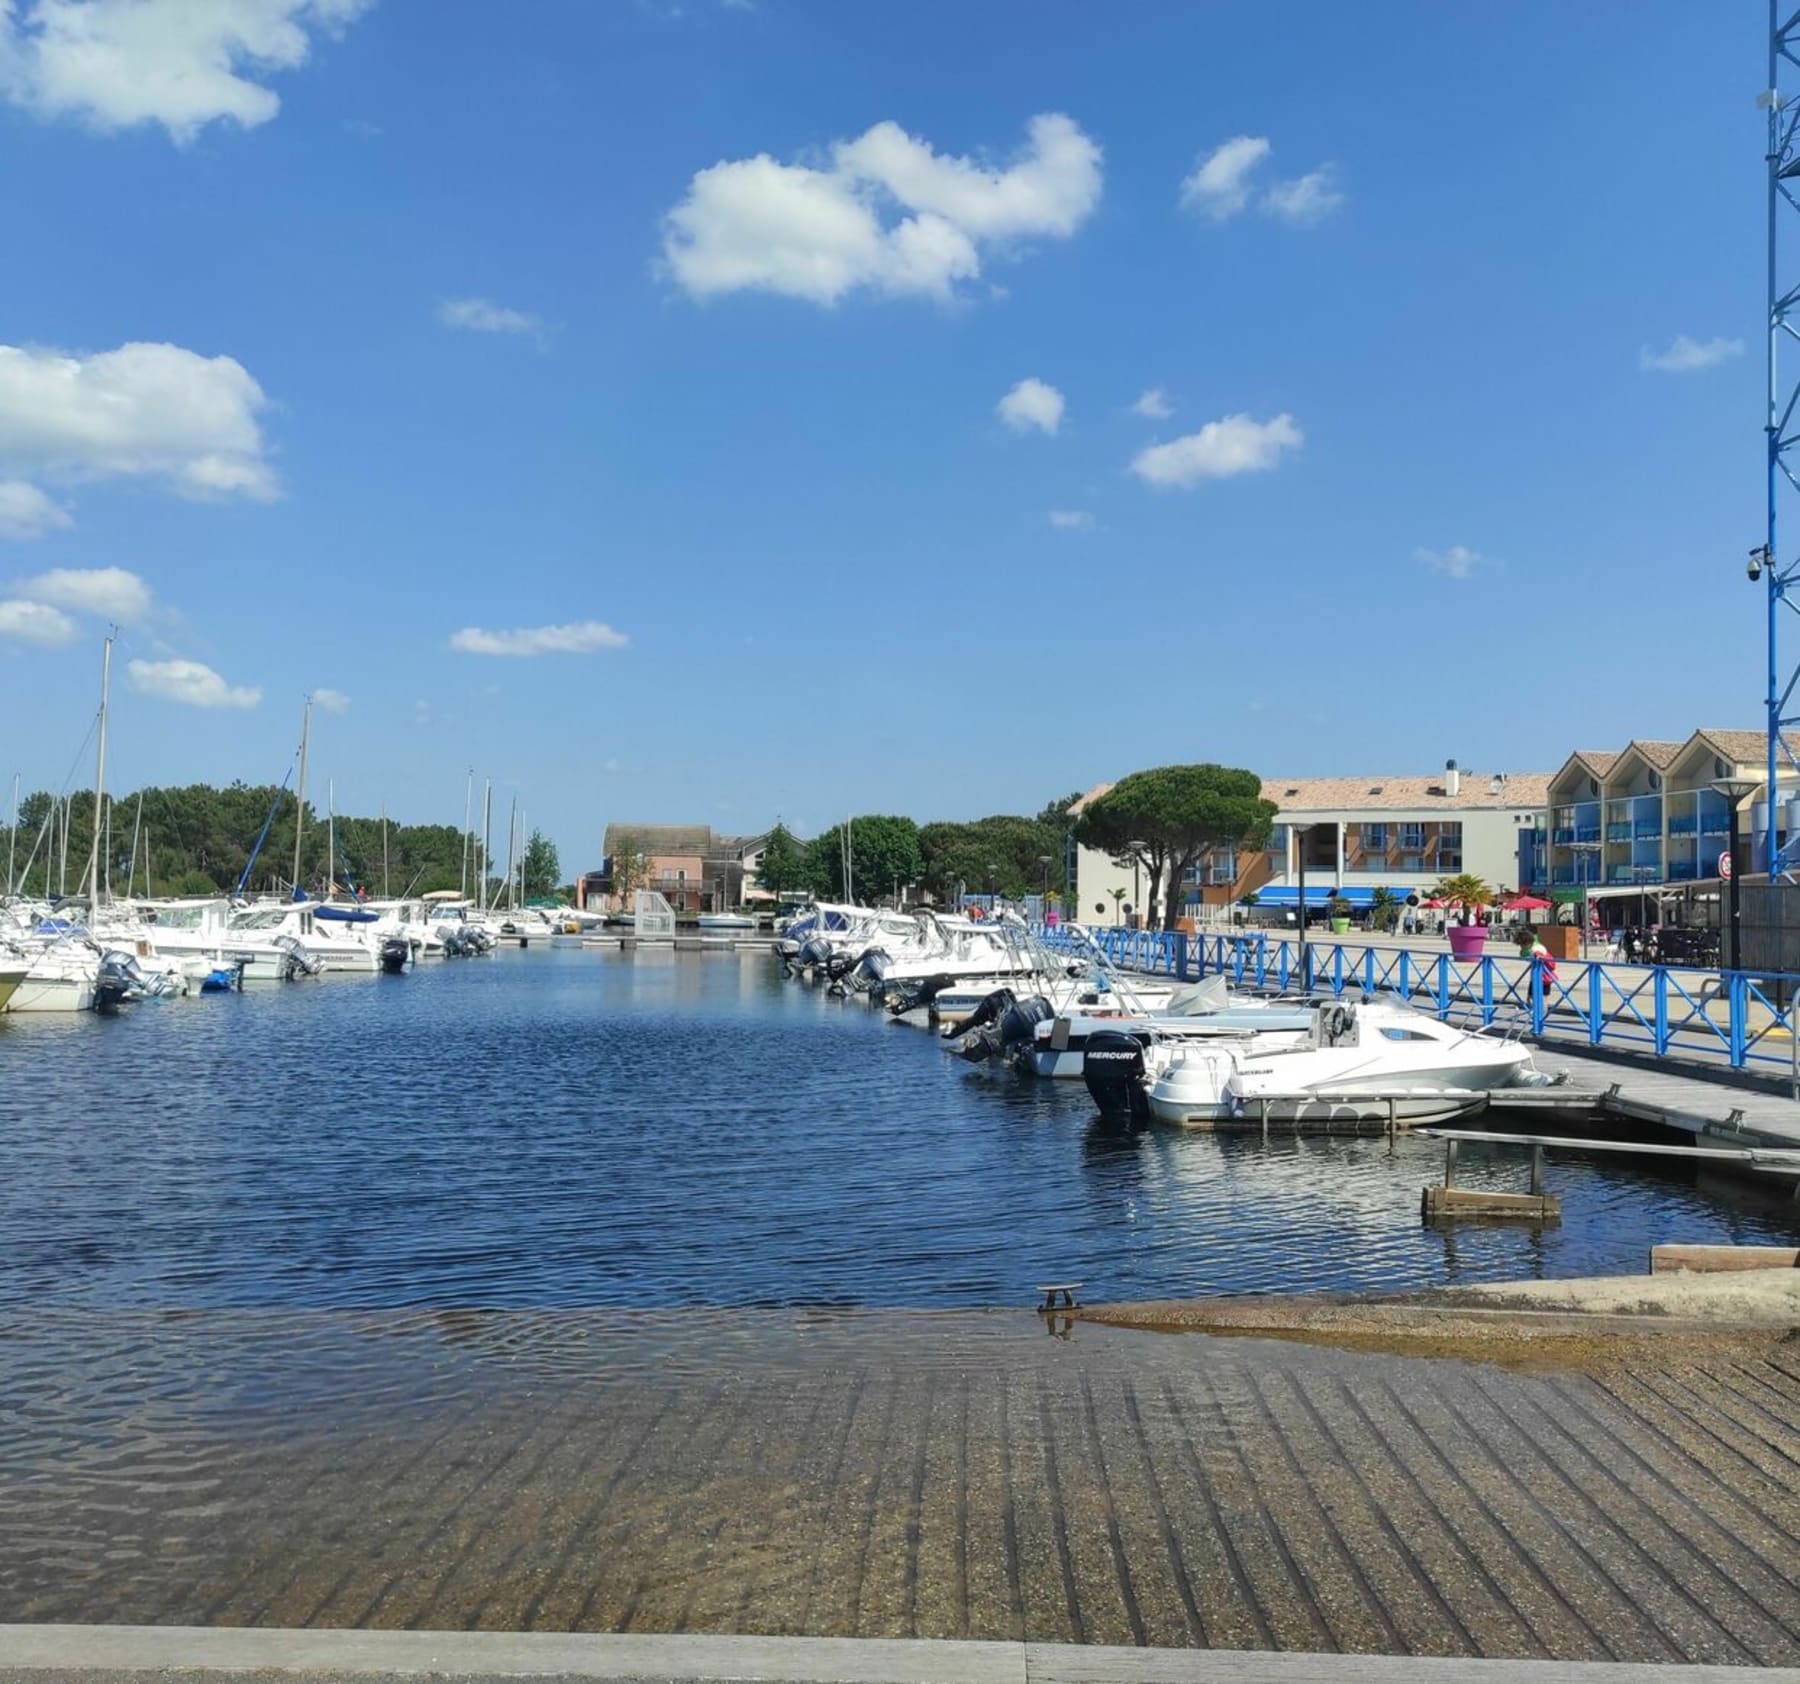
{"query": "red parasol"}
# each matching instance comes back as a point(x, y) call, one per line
point(1524, 903)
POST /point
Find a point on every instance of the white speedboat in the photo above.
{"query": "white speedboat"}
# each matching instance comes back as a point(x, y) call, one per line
point(200, 933)
point(13, 971)
point(63, 977)
point(724, 922)
point(1360, 1062)
point(335, 938)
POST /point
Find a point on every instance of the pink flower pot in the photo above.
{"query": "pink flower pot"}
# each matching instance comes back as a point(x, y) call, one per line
point(1467, 941)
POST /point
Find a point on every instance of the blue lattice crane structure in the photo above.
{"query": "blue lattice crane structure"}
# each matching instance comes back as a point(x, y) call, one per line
point(1783, 424)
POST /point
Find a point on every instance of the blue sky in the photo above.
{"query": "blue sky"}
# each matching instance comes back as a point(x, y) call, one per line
point(509, 351)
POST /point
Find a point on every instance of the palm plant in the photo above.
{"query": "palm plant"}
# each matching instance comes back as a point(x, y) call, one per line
point(1469, 892)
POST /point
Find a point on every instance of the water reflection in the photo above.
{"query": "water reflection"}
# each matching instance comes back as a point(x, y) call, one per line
point(573, 1127)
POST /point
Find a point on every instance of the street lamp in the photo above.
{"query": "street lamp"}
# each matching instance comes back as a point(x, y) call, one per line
point(1734, 790)
point(1300, 832)
point(1587, 851)
point(1136, 850)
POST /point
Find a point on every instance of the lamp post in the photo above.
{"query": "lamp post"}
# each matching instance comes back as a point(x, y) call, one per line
point(1300, 831)
point(1586, 851)
point(1136, 850)
point(1734, 790)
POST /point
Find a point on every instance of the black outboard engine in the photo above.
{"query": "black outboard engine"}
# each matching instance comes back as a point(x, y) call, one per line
point(840, 965)
point(815, 951)
point(991, 1009)
point(120, 979)
point(870, 971)
point(396, 954)
point(1018, 1023)
point(1113, 1068)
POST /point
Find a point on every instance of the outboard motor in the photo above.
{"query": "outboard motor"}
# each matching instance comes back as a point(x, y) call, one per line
point(119, 979)
point(396, 954)
point(871, 970)
point(1018, 1023)
point(989, 1011)
point(299, 961)
point(815, 951)
point(840, 965)
point(1113, 1068)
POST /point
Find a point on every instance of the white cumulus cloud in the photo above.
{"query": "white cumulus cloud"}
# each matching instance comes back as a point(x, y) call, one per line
point(1071, 520)
point(1031, 403)
point(145, 411)
point(1457, 562)
point(1153, 405)
point(580, 637)
point(191, 683)
point(115, 64)
point(35, 622)
point(26, 512)
point(1219, 184)
point(328, 700)
point(1221, 449)
point(1687, 356)
point(114, 593)
point(885, 212)
point(1306, 199)
point(481, 315)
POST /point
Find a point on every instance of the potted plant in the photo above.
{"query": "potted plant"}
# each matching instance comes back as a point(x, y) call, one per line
point(1337, 909)
point(1469, 897)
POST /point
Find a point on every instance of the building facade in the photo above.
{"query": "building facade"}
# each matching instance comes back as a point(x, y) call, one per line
point(1404, 834)
point(693, 869)
point(1647, 814)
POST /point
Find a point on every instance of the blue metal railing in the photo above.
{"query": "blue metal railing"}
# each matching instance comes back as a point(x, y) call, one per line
point(1659, 1008)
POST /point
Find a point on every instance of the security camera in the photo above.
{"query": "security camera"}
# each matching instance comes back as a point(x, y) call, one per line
point(1755, 567)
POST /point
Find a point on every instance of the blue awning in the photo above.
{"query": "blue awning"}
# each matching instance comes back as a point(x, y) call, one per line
point(1361, 896)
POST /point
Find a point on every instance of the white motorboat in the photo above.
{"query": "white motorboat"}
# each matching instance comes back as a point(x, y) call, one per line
point(13, 971)
point(1360, 1062)
point(1059, 1044)
point(720, 923)
point(200, 933)
point(62, 977)
point(336, 938)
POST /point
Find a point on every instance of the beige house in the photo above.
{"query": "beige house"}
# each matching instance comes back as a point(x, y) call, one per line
point(693, 869)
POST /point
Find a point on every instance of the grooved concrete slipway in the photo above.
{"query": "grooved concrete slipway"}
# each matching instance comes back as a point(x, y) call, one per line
point(1601, 1495)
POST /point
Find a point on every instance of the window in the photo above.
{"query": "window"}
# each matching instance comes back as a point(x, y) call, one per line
point(1278, 839)
point(1374, 837)
point(1412, 836)
point(1412, 862)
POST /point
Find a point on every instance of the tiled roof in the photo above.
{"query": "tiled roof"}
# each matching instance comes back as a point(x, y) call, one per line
point(1301, 795)
point(1657, 751)
point(660, 839)
point(1749, 748)
point(1093, 795)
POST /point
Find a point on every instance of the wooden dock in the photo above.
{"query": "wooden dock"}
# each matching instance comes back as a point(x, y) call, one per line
point(1669, 1095)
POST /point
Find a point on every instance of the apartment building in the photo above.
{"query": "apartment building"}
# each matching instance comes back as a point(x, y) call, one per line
point(1402, 833)
point(1647, 813)
point(694, 869)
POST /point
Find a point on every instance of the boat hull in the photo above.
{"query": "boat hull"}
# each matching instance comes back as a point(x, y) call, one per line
point(52, 994)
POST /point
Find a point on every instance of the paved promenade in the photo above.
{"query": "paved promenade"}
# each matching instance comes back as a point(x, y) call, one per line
point(134, 1655)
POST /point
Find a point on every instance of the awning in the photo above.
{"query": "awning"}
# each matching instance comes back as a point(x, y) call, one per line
point(1362, 895)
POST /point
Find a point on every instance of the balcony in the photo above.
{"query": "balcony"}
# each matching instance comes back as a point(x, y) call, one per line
point(1587, 833)
point(1683, 871)
point(1646, 830)
point(1686, 824)
point(1563, 834)
point(1563, 876)
point(1617, 832)
point(1715, 824)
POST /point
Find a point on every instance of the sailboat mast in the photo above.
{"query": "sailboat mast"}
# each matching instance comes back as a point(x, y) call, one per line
point(93, 896)
point(384, 853)
point(12, 842)
point(467, 838)
point(487, 819)
point(512, 837)
point(300, 791)
point(137, 829)
point(110, 804)
point(330, 839)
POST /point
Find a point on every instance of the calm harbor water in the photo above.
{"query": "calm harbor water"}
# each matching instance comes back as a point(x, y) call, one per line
point(576, 1128)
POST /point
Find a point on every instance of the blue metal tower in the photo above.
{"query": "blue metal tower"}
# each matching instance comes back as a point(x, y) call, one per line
point(1784, 314)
